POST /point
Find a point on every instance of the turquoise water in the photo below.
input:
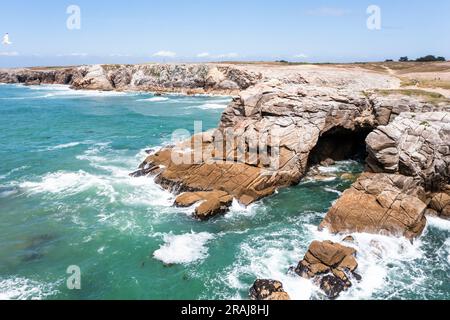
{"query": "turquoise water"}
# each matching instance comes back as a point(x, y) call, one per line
point(66, 199)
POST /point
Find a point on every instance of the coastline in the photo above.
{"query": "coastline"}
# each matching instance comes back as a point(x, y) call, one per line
point(411, 179)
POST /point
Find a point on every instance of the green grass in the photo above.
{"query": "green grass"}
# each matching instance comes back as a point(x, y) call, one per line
point(442, 84)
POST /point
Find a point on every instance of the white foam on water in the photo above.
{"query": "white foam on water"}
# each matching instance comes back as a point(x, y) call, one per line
point(238, 210)
point(69, 183)
point(13, 98)
point(183, 249)
point(18, 288)
point(154, 99)
point(209, 106)
point(13, 171)
point(268, 256)
point(447, 249)
point(64, 146)
point(49, 87)
point(376, 256)
point(339, 193)
point(438, 223)
point(65, 91)
point(8, 192)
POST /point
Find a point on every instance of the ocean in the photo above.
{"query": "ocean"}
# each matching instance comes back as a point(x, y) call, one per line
point(66, 199)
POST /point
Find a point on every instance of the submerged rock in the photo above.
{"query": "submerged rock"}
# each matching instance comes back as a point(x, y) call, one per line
point(329, 264)
point(332, 286)
point(388, 204)
point(268, 290)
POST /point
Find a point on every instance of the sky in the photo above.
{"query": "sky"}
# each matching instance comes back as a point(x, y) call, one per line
point(136, 31)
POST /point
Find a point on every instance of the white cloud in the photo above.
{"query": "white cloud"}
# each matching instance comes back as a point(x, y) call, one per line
point(119, 55)
point(228, 55)
point(75, 54)
point(78, 54)
point(166, 54)
point(328, 12)
point(9, 54)
point(203, 55)
point(301, 56)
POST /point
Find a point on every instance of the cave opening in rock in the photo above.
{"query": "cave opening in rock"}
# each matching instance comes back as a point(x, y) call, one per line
point(340, 144)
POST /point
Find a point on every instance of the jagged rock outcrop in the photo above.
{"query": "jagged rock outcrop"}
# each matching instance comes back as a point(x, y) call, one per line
point(263, 142)
point(268, 290)
point(331, 265)
point(212, 203)
point(388, 105)
point(186, 78)
point(439, 204)
point(416, 145)
point(410, 158)
point(390, 204)
point(37, 77)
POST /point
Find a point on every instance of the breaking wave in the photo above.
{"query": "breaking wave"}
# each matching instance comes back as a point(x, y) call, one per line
point(183, 249)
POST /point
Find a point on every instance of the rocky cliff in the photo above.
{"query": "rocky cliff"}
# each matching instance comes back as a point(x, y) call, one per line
point(186, 78)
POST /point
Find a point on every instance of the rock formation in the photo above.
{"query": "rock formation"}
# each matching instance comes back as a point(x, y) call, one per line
point(379, 203)
point(411, 159)
point(212, 203)
point(264, 141)
point(439, 204)
point(185, 78)
point(330, 265)
point(415, 145)
point(268, 290)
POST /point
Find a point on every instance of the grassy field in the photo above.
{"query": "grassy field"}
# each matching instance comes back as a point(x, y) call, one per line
point(431, 97)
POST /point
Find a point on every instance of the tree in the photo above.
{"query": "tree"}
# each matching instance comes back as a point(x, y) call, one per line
point(404, 59)
point(430, 58)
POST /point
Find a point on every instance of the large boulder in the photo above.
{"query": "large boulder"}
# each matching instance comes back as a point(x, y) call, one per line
point(212, 203)
point(382, 203)
point(330, 265)
point(268, 290)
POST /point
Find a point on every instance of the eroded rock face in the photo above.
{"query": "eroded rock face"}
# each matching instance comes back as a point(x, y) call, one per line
point(388, 107)
point(263, 142)
point(212, 203)
point(268, 290)
point(330, 265)
point(382, 203)
point(37, 77)
point(440, 204)
point(416, 145)
point(186, 78)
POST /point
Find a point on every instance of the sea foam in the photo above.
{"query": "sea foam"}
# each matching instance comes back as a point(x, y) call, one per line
point(154, 99)
point(18, 288)
point(183, 249)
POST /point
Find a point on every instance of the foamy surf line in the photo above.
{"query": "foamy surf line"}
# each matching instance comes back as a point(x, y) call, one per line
point(61, 91)
point(18, 288)
point(183, 249)
point(154, 99)
point(207, 106)
point(64, 146)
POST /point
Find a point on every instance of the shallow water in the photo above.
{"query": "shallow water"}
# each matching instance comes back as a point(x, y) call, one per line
point(66, 199)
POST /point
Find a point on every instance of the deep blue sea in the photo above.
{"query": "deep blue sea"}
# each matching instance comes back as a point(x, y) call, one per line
point(66, 200)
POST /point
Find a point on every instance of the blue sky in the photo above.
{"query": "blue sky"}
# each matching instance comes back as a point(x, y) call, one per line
point(209, 30)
